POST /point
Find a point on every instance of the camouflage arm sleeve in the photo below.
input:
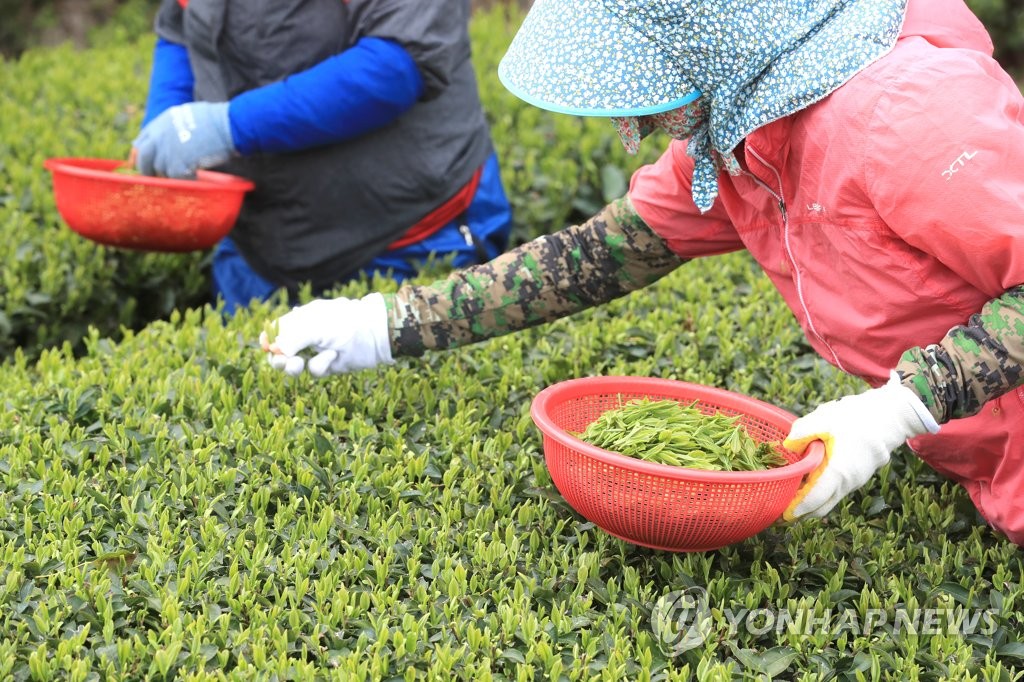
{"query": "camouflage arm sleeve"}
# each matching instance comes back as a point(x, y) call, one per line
point(553, 276)
point(973, 364)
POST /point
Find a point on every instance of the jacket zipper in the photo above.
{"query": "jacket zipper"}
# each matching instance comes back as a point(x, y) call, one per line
point(798, 279)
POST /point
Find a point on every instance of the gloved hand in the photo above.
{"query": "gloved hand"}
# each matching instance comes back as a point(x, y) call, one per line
point(346, 335)
point(859, 432)
point(184, 139)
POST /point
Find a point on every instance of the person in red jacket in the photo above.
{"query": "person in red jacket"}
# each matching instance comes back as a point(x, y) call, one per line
point(866, 153)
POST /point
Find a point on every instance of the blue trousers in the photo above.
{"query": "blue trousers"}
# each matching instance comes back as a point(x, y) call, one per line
point(489, 219)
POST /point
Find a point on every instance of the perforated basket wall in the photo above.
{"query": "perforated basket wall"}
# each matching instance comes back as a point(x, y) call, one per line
point(657, 505)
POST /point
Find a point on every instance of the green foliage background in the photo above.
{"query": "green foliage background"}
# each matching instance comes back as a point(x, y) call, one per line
point(54, 284)
point(26, 21)
point(174, 509)
point(63, 102)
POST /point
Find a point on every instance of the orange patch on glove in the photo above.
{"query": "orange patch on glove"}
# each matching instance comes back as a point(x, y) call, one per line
point(799, 445)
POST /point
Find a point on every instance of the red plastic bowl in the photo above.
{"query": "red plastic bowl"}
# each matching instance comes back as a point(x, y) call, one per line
point(658, 505)
point(145, 213)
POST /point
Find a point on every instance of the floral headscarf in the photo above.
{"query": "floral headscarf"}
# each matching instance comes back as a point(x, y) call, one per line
point(726, 67)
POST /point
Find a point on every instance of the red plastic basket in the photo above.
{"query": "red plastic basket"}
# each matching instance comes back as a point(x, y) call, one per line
point(145, 213)
point(658, 505)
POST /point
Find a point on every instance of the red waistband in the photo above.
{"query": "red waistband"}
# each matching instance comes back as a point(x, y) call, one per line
point(440, 216)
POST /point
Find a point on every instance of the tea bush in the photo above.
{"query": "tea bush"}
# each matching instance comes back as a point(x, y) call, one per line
point(53, 283)
point(176, 509)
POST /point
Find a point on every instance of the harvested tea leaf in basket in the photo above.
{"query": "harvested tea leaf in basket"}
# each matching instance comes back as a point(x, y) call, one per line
point(667, 432)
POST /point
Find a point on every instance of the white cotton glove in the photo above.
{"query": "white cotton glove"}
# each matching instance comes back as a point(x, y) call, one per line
point(345, 334)
point(859, 432)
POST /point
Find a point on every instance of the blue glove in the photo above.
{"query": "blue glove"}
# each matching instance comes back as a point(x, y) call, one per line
point(184, 139)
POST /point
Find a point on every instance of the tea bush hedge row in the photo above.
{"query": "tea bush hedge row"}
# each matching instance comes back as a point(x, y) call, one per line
point(59, 102)
point(176, 509)
point(53, 283)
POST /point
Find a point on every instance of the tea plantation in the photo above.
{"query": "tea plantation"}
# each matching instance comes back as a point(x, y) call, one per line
point(172, 508)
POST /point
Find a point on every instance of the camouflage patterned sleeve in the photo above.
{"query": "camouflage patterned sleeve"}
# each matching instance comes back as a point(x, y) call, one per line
point(973, 364)
point(553, 276)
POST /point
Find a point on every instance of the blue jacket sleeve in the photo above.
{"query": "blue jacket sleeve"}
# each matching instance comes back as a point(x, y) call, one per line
point(359, 90)
point(171, 81)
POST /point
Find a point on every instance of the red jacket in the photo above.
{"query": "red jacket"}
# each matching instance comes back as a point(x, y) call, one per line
point(885, 214)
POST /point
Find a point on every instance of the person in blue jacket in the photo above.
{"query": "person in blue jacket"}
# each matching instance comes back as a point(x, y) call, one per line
point(359, 122)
